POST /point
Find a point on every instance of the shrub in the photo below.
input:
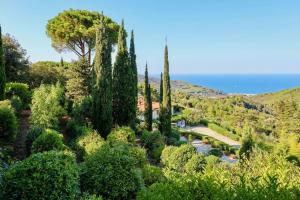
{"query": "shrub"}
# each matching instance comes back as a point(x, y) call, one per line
point(8, 121)
point(82, 111)
point(33, 133)
point(47, 141)
point(88, 143)
point(215, 152)
point(176, 158)
point(112, 173)
point(50, 175)
point(121, 134)
point(173, 137)
point(16, 103)
point(154, 143)
point(196, 163)
point(223, 131)
point(91, 197)
point(152, 174)
point(47, 106)
point(18, 89)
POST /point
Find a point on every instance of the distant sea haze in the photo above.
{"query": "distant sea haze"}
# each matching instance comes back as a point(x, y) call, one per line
point(243, 84)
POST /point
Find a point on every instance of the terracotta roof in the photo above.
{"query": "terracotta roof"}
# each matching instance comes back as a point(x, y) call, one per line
point(141, 105)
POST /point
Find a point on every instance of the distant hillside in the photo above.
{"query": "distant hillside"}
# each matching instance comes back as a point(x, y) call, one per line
point(270, 98)
point(185, 87)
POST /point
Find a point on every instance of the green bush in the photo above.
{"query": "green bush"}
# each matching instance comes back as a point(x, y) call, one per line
point(82, 111)
point(121, 134)
point(50, 175)
point(154, 143)
point(33, 133)
point(195, 164)
point(47, 106)
point(8, 121)
point(215, 152)
point(88, 143)
point(91, 197)
point(176, 158)
point(47, 141)
point(112, 173)
point(152, 174)
point(16, 103)
point(18, 89)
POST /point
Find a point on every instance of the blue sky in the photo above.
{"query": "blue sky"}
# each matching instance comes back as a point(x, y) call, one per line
point(204, 37)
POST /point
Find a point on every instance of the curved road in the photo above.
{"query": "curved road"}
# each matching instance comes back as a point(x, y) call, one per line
point(207, 131)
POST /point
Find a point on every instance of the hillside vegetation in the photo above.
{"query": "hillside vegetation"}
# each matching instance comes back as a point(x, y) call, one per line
point(283, 95)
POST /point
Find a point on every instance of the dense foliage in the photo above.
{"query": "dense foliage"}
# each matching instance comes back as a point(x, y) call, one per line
point(74, 30)
point(147, 102)
point(50, 175)
point(2, 70)
point(112, 173)
point(8, 121)
point(102, 83)
point(47, 105)
point(48, 140)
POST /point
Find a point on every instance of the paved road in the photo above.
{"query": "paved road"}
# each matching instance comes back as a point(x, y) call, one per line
point(206, 131)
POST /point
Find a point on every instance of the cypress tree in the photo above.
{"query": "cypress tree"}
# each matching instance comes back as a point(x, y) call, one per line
point(148, 102)
point(102, 85)
point(122, 96)
point(160, 102)
point(2, 70)
point(61, 62)
point(134, 81)
point(166, 102)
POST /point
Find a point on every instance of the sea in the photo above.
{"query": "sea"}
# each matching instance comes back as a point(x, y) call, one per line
point(242, 84)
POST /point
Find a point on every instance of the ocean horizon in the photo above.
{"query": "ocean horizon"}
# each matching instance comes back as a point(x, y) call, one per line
point(242, 83)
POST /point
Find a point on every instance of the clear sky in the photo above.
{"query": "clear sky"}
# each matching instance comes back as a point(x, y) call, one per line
point(204, 36)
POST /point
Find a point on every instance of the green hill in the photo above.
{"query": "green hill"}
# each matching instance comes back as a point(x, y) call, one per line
point(270, 98)
point(185, 87)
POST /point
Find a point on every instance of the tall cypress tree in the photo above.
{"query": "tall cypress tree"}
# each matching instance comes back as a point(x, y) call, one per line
point(102, 86)
point(134, 82)
point(160, 102)
point(166, 102)
point(2, 70)
point(122, 73)
point(148, 102)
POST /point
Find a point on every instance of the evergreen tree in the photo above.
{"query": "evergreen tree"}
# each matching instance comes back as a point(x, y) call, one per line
point(77, 85)
point(148, 102)
point(102, 82)
point(160, 102)
point(134, 82)
point(2, 70)
point(166, 102)
point(62, 62)
point(122, 73)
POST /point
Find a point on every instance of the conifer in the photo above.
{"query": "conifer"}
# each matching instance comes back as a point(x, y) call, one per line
point(122, 97)
point(147, 102)
point(102, 82)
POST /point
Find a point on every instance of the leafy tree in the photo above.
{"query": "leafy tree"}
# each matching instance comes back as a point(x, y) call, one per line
point(77, 85)
point(47, 72)
point(147, 102)
point(75, 30)
point(49, 175)
point(102, 86)
point(15, 59)
point(2, 70)
point(166, 102)
point(122, 135)
point(247, 143)
point(122, 73)
point(47, 106)
point(134, 81)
